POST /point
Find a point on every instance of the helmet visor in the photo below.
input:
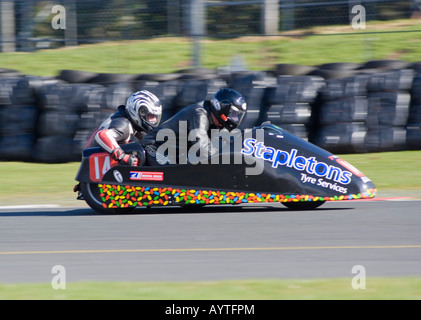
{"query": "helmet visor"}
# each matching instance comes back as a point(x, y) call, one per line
point(150, 116)
point(231, 114)
point(236, 115)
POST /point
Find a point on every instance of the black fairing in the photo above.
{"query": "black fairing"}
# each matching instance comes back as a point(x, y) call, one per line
point(294, 174)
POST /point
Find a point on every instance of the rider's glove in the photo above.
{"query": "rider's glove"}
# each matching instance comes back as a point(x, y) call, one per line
point(130, 160)
point(119, 155)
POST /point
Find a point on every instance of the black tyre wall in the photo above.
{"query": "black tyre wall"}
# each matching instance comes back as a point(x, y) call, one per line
point(343, 107)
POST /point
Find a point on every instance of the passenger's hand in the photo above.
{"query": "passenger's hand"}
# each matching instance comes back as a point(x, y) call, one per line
point(129, 159)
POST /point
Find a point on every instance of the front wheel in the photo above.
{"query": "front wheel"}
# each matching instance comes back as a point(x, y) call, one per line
point(91, 194)
point(303, 205)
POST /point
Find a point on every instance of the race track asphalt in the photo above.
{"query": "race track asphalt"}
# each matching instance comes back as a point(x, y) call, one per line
point(212, 243)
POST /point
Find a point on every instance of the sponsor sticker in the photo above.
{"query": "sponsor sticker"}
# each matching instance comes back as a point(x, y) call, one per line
point(291, 159)
point(147, 175)
point(118, 177)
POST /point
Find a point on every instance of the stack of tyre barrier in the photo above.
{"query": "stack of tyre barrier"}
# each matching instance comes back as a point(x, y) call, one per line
point(195, 86)
point(342, 107)
point(71, 110)
point(413, 130)
point(254, 87)
point(18, 117)
point(367, 110)
point(388, 110)
point(340, 113)
point(289, 103)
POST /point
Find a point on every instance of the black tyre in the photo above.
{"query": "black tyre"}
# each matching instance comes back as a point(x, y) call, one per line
point(385, 64)
point(76, 76)
point(303, 205)
point(54, 149)
point(9, 73)
point(110, 78)
point(332, 74)
point(159, 77)
point(284, 69)
point(91, 194)
point(340, 66)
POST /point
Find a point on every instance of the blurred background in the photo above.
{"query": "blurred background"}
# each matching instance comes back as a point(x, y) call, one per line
point(26, 24)
point(343, 74)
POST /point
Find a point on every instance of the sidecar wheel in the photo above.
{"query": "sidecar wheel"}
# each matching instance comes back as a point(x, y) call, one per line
point(303, 205)
point(90, 192)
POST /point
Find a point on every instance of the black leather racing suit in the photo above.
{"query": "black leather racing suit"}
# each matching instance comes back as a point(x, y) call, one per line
point(114, 131)
point(117, 129)
point(195, 117)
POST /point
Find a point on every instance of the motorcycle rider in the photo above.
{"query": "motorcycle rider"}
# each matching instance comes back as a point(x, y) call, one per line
point(225, 110)
point(141, 114)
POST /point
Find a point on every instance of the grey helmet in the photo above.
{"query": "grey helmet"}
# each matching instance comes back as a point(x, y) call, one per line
point(144, 110)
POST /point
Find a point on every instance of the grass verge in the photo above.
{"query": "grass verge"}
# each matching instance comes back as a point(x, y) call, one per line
point(393, 173)
point(380, 40)
point(403, 288)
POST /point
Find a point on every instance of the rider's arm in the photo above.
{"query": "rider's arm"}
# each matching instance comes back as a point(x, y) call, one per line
point(200, 123)
point(107, 139)
point(119, 131)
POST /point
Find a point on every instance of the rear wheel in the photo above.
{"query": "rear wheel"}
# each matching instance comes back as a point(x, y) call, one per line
point(303, 205)
point(91, 194)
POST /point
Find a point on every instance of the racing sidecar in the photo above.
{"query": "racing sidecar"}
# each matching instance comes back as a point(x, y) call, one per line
point(271, 166)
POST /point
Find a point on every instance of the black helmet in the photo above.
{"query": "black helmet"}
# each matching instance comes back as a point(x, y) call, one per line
point(229, 107)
